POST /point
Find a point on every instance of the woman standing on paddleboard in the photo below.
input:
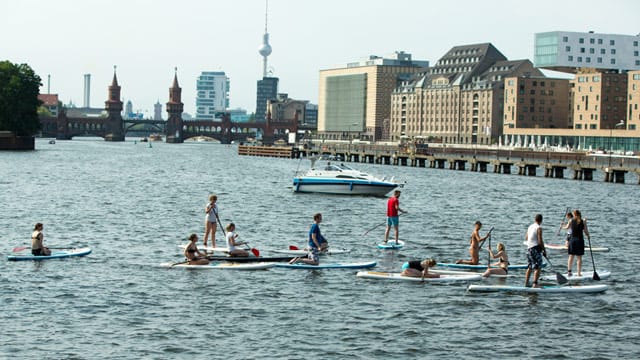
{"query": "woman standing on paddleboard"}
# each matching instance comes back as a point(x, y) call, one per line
point(37, 242)
point(575, 246)
point(210, 224)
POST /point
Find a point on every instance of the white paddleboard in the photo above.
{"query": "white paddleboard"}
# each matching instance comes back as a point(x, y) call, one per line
point(302, 252)
point(221, 266)
point(563, 247)
point(397, 277)
point(543, 289)
point(481, 266)
point(391, 245)
point(357, 265)
point(208, 248)
point(603, 274)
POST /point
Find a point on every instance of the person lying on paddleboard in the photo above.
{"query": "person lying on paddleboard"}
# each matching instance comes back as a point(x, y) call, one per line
point(417, 268)
point(316, 241)
point(474, 247)
point(37, 242)
point(232, 244)
point(193, 255)
point(501, 266)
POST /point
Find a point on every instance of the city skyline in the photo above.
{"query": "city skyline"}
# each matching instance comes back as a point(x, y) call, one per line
point(146, 40)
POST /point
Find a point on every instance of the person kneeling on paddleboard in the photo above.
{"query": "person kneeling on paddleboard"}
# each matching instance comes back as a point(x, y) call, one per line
point(37, 242)
point(315, 243)
point(417, 268)
point(193, 255)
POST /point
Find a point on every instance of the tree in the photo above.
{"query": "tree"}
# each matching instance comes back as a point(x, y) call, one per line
point(19, 89)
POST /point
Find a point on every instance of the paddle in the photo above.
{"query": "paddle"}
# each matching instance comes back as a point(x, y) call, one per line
point(489, 256)
point(559, 277)
point(255, 251)
point(596, 277)
point(377, 226)
point(482, 243)
point(293, 247)
point(20, 248)
point(564, 215)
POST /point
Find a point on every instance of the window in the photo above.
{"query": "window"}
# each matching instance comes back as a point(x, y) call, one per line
point(567, 48)
point(603, 51)
point(599, 60)
point(588, 59)
point(593, 127)
point(635, 43)
point(613, 61)
point(612, 42)
point(582, 50)
point(592, 41)
point(579, 58)
point(613, 51)
point(592, 51)
point(581, 41)
point(635, 53)
point(570, 58)
point(578, 126)
point(565, 39)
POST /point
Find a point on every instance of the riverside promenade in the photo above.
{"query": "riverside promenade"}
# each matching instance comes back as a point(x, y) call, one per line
point(577, 165)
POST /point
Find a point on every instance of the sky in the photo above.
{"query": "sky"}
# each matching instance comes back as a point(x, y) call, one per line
point(148, 39)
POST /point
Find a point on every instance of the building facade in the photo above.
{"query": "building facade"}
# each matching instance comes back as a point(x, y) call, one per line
point(633, 104)
point(284, 108)
point(267, 89)
point(536, 102)
point(356, 100)
point(459, 100)
point(212, 88)
point(567, 51)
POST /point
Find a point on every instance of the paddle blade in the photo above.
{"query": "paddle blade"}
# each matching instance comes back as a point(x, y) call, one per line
point(293, 247)
point(596, 277)
point(20, 248)
point(255, 252)
point(561, 279)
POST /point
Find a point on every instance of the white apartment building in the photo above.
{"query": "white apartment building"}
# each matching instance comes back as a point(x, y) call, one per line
point(212, 89)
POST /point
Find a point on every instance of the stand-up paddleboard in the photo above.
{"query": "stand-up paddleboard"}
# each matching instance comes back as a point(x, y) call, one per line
point(543, 289)
point(303, 252)
point(563, 247)
point(208, 249)
point(397, 277)
point(220, 266)
point(481, 267)
point(248, 259)
point(603, 274)
point(391, 245)
point(357, 265)
point(58, 254)
point(454, 272)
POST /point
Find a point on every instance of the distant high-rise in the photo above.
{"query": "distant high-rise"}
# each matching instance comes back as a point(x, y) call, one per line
point(267, 90)
point(87, 91)
point(128, 109)
point(157, 111)
point(212, 94)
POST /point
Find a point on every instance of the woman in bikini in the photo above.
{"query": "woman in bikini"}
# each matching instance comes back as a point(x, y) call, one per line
point(501, 267)
point(193, 255)
point(419, 269)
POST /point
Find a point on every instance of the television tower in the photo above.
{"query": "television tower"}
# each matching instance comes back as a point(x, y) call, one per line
point(265, 49)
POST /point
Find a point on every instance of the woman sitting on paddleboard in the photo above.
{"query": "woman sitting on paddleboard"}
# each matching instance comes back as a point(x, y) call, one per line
point(232, 244)
point(193, 255)
point(419, 268)
point(37, 242)
point(501, 265)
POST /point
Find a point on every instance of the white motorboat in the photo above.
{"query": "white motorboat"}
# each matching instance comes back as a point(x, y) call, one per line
point(331, 177)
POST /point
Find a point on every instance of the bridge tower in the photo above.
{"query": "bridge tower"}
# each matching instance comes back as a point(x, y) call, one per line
point(114, 125)
point(174, 109)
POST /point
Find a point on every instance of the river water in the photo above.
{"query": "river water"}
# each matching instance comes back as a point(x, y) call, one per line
point(133, 204)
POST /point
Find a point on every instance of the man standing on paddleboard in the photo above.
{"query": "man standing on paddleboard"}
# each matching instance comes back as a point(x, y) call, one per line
point(393, 207)
point(535, 250)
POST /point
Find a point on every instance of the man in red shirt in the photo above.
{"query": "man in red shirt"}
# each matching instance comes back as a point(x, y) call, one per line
point(393, 207)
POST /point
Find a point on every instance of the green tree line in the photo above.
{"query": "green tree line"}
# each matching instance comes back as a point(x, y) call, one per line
point(19, 89)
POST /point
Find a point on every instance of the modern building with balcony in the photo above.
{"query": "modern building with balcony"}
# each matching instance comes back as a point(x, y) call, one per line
point(568, 51)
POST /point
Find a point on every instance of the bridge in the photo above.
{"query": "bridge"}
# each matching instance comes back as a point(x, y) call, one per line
point(113, 127)
point(223, 130)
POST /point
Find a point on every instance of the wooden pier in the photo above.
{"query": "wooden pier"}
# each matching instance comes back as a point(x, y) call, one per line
point(577, 165)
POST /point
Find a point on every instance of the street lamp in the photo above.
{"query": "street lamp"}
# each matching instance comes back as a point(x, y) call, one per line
point(620, 124)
